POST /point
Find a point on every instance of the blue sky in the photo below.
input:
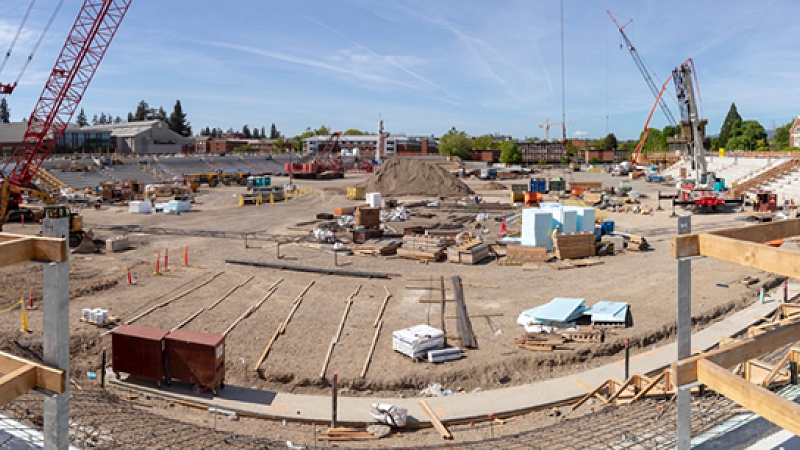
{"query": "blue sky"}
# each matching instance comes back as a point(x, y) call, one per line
point(424, 66)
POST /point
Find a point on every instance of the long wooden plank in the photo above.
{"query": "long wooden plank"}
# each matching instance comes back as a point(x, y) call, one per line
point(177, 297)
point(282, 326)
point(52, 379)
point(371, 349)
point(435, 420)
point(773, 407)
point(16, 383)
point(338, 335)
point(383, 306)
point(687, 245)
point(249, 311)
point(686, 369)
point(228, 294)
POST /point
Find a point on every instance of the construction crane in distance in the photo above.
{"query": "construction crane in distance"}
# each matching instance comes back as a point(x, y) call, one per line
point(547, 126)
point(643, 69)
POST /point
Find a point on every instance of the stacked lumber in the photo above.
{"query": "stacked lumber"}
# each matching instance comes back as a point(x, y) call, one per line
point(347, 434)
point(464, 325)
point(637, 243)
point(470, 252)
point(584, 335)
point(378, 247)
point(424, 248)
point(574, 245)
point(592, 198)
point(524, 254)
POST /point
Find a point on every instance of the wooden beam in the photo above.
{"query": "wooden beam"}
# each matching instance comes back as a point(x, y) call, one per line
point(686, 369)
point(744, 253)
point(435, 420)
point(16, 248)
point(762, 232)
point(773, 407)
point(16, 383)
point(54, 380)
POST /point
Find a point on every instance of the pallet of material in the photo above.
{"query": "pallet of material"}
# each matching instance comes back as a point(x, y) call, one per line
point(574, 245)
point(421, 255)
point(586, 185)
point(525, 253)
point(471, 252)
point(443, 232)
point(426, 243)
point(105, 324)
point(539, 347)
point(362, 236)
point(584, 335)
point(378, 247)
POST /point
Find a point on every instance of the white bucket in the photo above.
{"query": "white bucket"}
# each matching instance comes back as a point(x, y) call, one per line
point(87, 314)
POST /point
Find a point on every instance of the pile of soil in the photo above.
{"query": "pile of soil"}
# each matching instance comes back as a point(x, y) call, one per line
point(413, 177)
point(494, 186)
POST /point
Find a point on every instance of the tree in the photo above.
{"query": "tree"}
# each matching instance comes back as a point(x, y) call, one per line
point(5, 112)
point(142, 112)
point(130, 117)
point(280, 144)
point(81, 119)
point(177, 120)
point(246, 132)
point(161, 115)
point(354, 132)
point(510, 153)
point(455, 143)
point(484, 142)
point(205, 132)
point(103, 119)
point(118, 119)
point(607, 143)
point(725, 132)
point(781, 137)
point(95, 120)
point(255, 133)
point(322, 131)
point(273, 131)
point(745, 135)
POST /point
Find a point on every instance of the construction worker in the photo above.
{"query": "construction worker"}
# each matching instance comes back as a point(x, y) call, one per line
point(755, 204)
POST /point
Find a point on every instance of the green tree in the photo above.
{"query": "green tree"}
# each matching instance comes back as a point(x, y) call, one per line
point(5, 112)
point(130, 117)
point(322, 131)
point(95, 120)
point(484, 142)
point(455, 143)
point(781, 137)
point(81, 119)
point(103, 118)
point(142, 112)
point(246, 132)
point(730, 120)
point(243, 148)
point(177, 120)
point(715, 145)
point(607, 143)
point(745, 135)
point(256, 133)
point(118, 119)
point(510, 153)
point(354, 132)
point(161, 114)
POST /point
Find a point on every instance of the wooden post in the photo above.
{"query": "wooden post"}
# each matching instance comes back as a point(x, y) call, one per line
point(103, 370)
point(371, 349)
point(334, 387)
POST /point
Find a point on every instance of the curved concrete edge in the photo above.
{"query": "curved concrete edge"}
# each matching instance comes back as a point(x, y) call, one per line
point(459, 408)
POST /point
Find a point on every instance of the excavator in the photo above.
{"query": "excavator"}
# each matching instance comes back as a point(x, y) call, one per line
point(89, 38)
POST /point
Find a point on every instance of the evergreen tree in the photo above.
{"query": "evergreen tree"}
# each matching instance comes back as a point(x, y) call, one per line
point(103, 119)
point(118, 119)
point(263, 134)
point(273, 132)
point(161, 114)
point(81, 119)
point(142, 112)
point(255, 133)
point(731, 119)
point(178, 122)
point(246, 132)
point(5, 113)
point(130, 117)
point(95, 120)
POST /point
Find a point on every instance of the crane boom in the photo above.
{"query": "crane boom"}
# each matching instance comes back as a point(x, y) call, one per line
point(691, 118)
point(643, 69)
point(86, 44)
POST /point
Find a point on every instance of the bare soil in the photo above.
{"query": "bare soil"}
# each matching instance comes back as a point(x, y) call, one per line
point(646, 280)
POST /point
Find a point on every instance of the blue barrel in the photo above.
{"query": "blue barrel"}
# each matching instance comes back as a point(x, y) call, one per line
point(598, 232)
point(608, 227)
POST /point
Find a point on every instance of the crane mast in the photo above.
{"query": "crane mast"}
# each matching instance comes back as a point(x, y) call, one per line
point(643, 69)
point(691, 123)
point(86, 44)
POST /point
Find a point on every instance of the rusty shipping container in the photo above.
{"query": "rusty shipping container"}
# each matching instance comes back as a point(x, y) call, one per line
point(195, 357)
point(138, 351)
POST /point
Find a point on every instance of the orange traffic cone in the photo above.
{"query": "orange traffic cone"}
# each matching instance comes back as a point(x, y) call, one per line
point(503, 226)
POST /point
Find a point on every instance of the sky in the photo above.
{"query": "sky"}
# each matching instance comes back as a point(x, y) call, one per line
point(423, 66)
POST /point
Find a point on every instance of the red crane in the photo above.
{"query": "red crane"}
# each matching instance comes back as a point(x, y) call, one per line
point(90, 37)
point(324, 165)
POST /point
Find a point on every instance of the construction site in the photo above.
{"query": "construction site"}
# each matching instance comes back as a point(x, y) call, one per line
point(307, 301)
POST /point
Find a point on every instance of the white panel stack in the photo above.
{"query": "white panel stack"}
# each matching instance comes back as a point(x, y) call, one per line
point(415, 341)
point(374, 199)
point(140, 207)
point(586, 219)
point(569, 220)
point(537, 226)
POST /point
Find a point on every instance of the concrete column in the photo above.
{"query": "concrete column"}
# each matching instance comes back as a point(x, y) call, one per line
point(56, 338)
point(684, 340)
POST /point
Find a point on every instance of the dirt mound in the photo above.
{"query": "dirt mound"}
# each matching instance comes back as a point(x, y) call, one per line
point(413, 177)
point(494, 186)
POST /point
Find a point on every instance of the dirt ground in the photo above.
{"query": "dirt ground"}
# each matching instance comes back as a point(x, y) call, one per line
point(647, 280)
